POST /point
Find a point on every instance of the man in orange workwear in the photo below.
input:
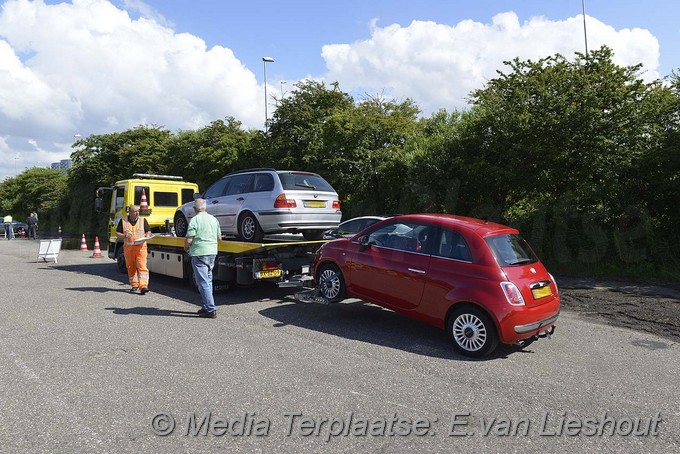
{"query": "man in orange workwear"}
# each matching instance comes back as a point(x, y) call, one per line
point(131, 230)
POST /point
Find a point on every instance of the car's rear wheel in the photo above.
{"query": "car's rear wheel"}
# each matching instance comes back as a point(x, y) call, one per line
point(472, 331)
point(181, 224)
point(312, 235)
point(331, 283)
point(249, 229)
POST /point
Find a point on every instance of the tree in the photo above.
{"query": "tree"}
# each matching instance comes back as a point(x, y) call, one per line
point(363, 148)
point(563, 139)
point(294, 135)
point(205, 155)
point(37, 188)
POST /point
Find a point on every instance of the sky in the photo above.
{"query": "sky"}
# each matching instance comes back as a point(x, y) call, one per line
point(70, 69)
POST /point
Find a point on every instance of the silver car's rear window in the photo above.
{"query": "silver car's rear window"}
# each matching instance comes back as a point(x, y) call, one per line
point(300, 181)
point(511, 250)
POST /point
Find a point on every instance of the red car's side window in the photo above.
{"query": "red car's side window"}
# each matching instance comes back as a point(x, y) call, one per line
point(452, 245)
point(408, 237)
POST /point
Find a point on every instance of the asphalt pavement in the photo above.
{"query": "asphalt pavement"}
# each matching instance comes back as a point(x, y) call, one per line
point(85, 366)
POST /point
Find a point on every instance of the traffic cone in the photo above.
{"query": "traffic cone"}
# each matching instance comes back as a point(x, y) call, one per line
point(59, 231)
point(23, 233)
point(97, 251)
point(83, 244)
point(144, 205)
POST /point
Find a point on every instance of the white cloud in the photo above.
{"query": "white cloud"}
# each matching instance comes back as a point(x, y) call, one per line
point(89, 68)
point(147, 11)
point(439, 65)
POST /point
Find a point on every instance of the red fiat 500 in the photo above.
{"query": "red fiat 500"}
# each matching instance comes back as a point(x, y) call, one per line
point(478, 280)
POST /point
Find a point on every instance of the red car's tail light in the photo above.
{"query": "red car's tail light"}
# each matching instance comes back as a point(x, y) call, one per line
point(282, 202)
point(336, 204)
point(555, 283)
point(512, 294)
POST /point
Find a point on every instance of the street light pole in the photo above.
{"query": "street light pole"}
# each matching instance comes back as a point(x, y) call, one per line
point(266, 60)
point(282, 82)
point(585, 33)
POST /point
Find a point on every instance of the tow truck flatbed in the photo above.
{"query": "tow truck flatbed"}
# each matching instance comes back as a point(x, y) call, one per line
point(286, 264)
point(231, 246)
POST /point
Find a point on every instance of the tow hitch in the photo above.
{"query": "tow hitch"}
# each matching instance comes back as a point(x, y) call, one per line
point(540, 335)
point(311, 296)
point(547, 333)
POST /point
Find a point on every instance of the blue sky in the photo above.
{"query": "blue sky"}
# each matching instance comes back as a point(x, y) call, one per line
point(99, 66)
point(294, 31)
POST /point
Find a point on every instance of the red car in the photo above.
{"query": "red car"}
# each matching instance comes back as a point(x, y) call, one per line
point(478, 280)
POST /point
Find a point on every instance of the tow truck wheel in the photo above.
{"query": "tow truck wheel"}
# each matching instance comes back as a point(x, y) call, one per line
point(313, 235)
point(190, 274)
point(472, 331)
point(120, 261)
point(331, 283)
point(181, 224)
point(249, 229)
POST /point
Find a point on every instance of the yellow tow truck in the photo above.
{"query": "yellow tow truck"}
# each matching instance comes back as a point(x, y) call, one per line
point(285, 263)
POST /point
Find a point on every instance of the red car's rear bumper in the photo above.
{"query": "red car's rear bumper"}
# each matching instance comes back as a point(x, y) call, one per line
point(525, 322)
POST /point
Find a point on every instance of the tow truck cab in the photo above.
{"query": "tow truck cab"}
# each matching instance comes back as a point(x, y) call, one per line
point(162, 194)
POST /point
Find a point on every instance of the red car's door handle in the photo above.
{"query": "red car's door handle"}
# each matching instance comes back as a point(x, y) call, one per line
point(413, 270)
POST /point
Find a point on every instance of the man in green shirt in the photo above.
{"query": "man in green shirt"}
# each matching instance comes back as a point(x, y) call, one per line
point(201, 240)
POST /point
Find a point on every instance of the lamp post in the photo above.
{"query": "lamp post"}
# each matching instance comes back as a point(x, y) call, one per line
point(266, 60)
point(585, 33)
point(282, 82)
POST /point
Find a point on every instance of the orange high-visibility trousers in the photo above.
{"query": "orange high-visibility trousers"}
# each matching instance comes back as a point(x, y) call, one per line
point(135, 260)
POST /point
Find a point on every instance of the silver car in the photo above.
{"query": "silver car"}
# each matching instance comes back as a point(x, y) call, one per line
point(254, 202)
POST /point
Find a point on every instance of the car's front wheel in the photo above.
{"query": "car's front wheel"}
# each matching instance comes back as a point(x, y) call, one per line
point(331, 283)
point(249, 229)
point(472, 331)
point(181, 224)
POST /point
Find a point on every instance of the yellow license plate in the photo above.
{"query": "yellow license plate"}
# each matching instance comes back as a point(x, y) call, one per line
point(315, 204)
point(267, 274)
point(541, 292)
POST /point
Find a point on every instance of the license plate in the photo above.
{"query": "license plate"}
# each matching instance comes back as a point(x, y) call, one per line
point(541, 292)
point(267, 274)
point(315, 204)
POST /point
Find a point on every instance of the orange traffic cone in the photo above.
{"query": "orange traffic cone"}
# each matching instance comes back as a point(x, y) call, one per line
point(144, 205)
point(83, 244)
point(97, 251)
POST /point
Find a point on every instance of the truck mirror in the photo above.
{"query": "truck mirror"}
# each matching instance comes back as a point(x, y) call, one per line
point(98, 204)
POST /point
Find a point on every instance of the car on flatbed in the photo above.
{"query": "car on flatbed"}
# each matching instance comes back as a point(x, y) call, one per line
point(254, 202)
point(478, 280)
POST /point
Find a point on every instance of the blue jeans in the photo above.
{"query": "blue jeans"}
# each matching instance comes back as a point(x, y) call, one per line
point(203, 266)
point(9, 233)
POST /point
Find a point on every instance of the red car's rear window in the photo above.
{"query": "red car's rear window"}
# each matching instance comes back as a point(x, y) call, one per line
point(511, 250)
